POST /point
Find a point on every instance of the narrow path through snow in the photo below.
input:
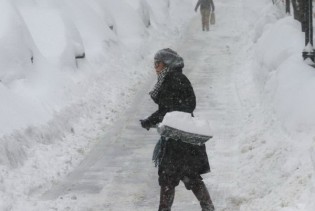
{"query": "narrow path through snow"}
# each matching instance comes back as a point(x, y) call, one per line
point(118, 174)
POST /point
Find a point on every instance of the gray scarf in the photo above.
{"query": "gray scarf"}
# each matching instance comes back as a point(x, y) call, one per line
point(156, 89)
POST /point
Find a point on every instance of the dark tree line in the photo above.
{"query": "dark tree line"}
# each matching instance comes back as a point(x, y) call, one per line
point(299, 11)
point(303, 12)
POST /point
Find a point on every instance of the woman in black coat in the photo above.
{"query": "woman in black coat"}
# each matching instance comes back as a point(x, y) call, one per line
point(176, 160)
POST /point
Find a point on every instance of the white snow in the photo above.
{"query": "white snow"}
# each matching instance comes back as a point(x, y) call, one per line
point(251, 83)
point(185, 122)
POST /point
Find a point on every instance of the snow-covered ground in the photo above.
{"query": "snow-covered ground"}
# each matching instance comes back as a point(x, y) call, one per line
point(70, 137)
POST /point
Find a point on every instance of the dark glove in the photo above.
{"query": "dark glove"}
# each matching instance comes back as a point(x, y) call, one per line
point(145, 123)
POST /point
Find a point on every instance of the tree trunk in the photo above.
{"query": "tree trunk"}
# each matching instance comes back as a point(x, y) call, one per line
point(287, 6)
point(299, 11)
point(295, 10)
point(309, 22)
point(304, 12)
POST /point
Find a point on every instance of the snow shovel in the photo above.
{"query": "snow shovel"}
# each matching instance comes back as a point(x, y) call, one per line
point(187, 137)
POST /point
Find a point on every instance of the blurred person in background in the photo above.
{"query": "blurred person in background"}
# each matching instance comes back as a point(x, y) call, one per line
point(206, 7)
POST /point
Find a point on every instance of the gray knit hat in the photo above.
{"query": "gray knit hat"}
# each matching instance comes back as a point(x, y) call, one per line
point(170, 58)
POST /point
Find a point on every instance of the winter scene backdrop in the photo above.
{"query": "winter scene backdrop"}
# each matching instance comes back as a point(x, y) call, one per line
point(74, 82)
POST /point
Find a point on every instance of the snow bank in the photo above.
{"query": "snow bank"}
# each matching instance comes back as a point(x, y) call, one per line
point(40, 73)
point(272, 50)
point(17, 48)
point(93, 21)
point(54, 104)
point(286, 80)
point(54, 38)
point(276, 147)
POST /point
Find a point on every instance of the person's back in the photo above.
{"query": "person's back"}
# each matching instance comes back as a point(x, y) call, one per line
point(206, 4)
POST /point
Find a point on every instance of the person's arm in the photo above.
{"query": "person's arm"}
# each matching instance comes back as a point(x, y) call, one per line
point(166, 104)
point(179, 95)
point(157, 116)
point(212, 5)
point(154, 119)
point(197, 5)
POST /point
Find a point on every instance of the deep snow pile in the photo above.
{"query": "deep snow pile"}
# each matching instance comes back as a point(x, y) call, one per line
point(54, 104)
point(277, 144)
point(69, 68)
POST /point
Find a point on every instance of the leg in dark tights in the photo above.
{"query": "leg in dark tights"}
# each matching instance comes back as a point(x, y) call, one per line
point(166, 198)
point(201, 192)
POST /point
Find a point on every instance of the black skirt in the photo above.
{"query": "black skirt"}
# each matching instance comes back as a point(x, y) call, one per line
point(171, 155)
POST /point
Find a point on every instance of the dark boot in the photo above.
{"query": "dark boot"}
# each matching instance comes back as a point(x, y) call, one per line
point(166, 198)
point(203, 196)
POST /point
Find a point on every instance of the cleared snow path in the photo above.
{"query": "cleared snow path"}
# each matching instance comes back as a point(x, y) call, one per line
point(118, 175)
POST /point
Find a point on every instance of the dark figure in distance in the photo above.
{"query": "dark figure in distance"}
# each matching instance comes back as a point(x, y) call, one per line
point(177, 161)
point(206, 6)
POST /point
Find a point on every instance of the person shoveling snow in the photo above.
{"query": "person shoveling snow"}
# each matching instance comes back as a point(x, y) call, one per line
point(176, 160)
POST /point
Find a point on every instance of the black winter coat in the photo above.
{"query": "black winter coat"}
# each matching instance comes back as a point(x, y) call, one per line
point(177, 94)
